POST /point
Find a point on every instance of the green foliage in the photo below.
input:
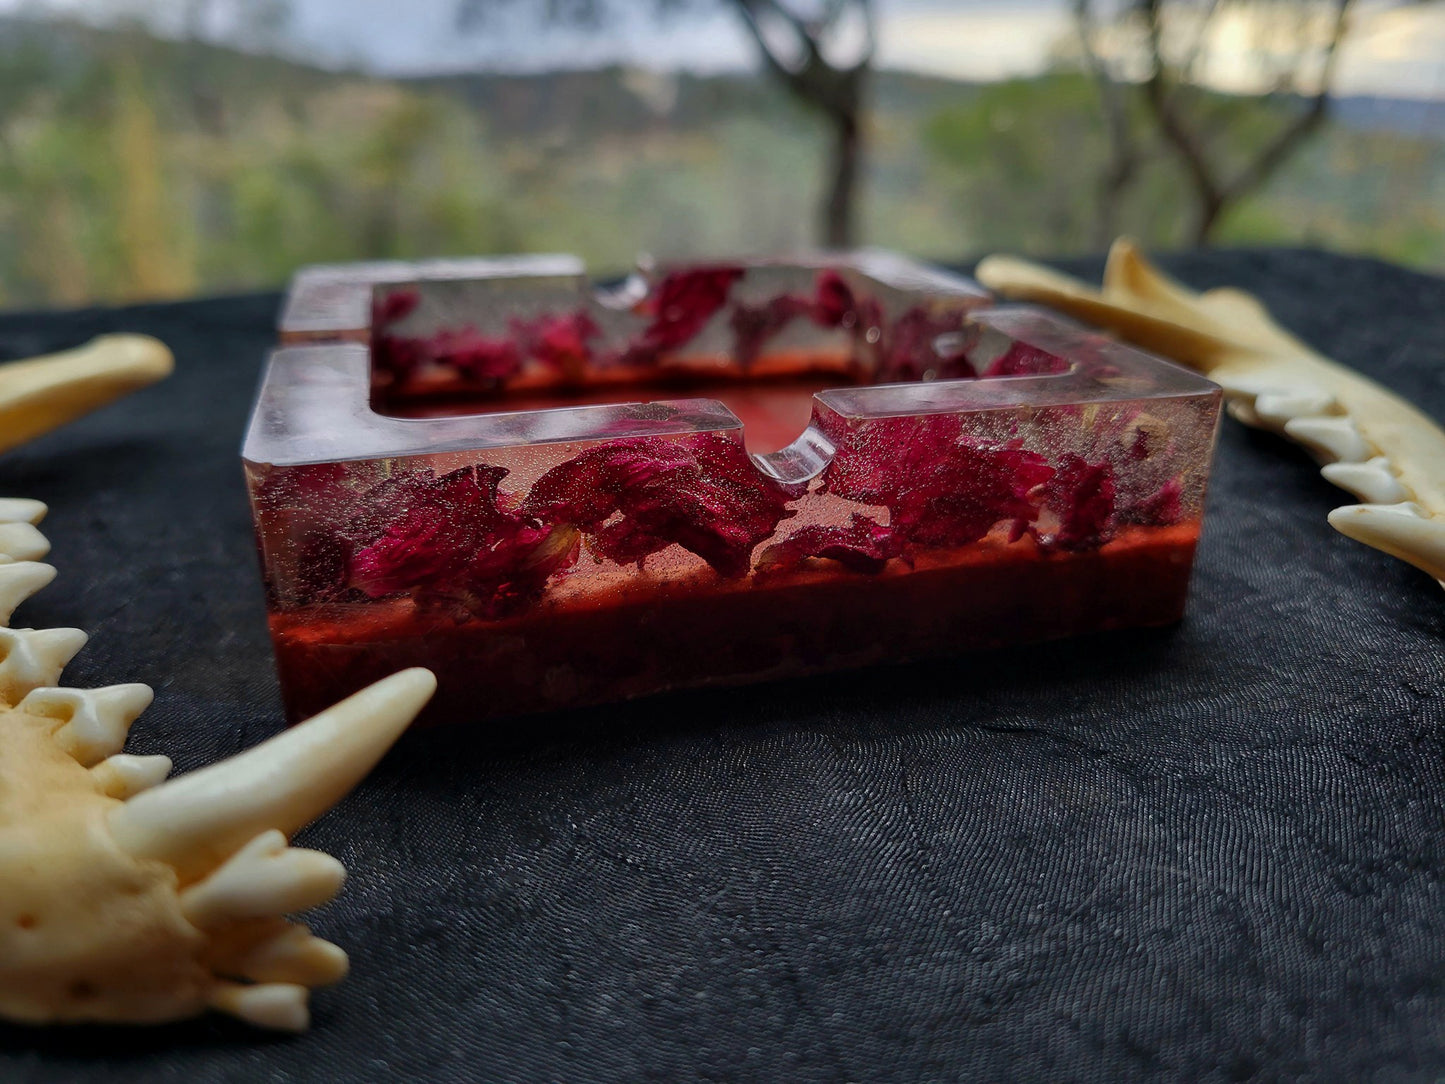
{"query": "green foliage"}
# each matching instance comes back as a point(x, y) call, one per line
point(132, 167)
point(1024, 163)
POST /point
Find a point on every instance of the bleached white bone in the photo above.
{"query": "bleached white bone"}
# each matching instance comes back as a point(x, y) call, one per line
point(1374, 482)
point(21, 510)
point(94, 722)
point(1332, 440)
point(1401, 530)
point(123, 775)
point(264, 879)
point(279, 1006)
point(292, 955)
point(31, 658)
point(22, 542)
point(197, 821)
point(18, 581)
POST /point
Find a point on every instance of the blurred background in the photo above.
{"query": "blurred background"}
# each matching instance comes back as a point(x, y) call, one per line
point(177, 147)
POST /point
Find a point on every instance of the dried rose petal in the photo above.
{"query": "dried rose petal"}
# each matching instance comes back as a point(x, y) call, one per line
point(395, 305)
point(754, 325)
point(1020, 359)
point(1081, 494)
point(835, 305)
point(560, 341)
point(864, 545)
point(637, 496)
point(474, 355)
point(910, 347)
point(941, 487)
point(680, 306)
point(454, 544)
point(398, 356)
point(1162, 508)
point(685, 300)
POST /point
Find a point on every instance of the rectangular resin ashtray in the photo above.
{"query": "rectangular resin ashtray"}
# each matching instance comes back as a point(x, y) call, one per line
point(554, 494)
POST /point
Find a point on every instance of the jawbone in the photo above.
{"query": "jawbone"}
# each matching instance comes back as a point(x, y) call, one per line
point(1368, 440)
point(127, 899)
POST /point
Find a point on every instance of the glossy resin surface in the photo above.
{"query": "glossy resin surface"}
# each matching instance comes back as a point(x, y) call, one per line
point(555, 495)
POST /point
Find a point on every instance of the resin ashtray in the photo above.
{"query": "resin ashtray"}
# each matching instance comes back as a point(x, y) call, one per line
point(555, 494)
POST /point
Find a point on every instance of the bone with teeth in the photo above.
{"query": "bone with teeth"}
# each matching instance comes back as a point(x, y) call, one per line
point(31, 658)
point(22, 542)
point(280, 1006)
point(124, 775)
point(1332, 440)
point(92, 723)
point(125, 898)
point(21, 510)
point(196, 822)
point(18, 581)
point(264, 879)
point(1368, 440)
point(1373, 481)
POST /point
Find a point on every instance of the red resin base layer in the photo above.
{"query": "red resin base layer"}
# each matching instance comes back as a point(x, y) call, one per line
point(631, 639)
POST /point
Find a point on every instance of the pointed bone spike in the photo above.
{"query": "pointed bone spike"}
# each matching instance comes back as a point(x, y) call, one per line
point(123, 775)
point(1245, 384)
point(1305, 401)
point(1399, 530)
point(94, 722)
point(18, 581)
point(198, 821)
point(1332, 440)
point(293, 956)
point(264, 879)
point(31, 658)
point(22, 542)
point(1373, 482)
point(276, 1005)
point(21, 510)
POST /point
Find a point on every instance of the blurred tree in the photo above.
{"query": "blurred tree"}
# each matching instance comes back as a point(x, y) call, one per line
point(823, 58)
point(821, 51)
point(1163, 50)
point(1012, 156)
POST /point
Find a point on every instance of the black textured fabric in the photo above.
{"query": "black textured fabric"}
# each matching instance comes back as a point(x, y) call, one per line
point(1214, 851)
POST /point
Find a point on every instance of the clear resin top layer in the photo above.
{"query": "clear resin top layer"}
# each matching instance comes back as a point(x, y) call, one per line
point(555, 494)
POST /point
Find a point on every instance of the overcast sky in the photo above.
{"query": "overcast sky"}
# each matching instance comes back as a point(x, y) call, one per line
point(1393, 49)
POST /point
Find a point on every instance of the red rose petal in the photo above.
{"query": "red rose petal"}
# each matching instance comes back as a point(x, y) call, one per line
point(1081, 494)
point(864, 545)
point(634, 497)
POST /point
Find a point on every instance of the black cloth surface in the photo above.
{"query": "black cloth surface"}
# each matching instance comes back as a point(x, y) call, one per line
point(1212, 851)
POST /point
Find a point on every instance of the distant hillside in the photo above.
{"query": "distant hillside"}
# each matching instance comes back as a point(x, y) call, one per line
point(134, 167)
point(1403, 116)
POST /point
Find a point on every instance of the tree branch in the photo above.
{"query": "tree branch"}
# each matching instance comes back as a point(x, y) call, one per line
point(1124, 154)
point(1171, 125)
point(1284, 144)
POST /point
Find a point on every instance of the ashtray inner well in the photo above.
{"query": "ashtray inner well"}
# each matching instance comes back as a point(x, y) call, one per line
point(556, 494)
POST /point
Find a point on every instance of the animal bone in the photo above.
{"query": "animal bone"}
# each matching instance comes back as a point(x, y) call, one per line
point(125, 899)
point(39, 394)
point(1370, 441)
